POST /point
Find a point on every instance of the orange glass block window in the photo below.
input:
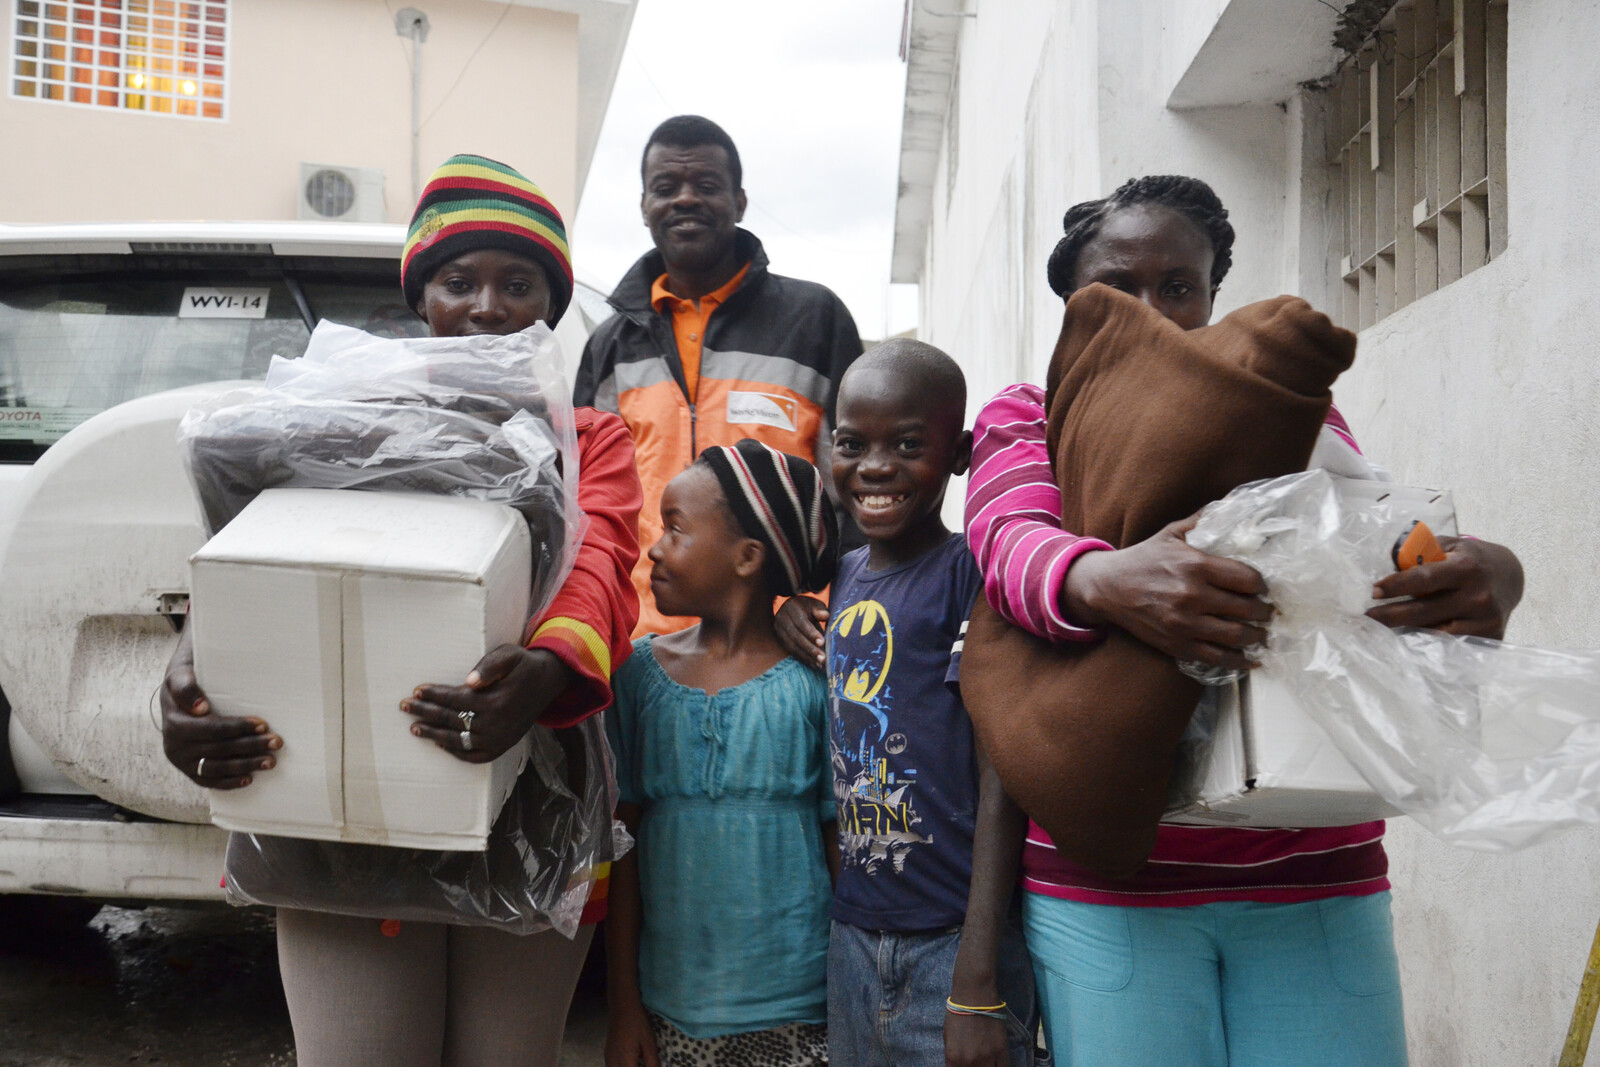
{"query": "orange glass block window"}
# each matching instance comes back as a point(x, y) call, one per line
point(165, 56)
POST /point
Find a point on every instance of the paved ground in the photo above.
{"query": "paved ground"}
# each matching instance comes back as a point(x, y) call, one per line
point(170, 986)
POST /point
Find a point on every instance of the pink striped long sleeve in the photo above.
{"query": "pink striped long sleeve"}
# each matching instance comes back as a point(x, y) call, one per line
point(1013, 514)
point(1013, 517)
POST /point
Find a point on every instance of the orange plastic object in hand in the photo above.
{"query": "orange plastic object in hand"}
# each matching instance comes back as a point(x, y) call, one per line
point(1416, 546)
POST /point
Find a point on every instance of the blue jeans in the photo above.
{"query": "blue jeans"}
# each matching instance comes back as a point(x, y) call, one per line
point(1235, 984)
point(886, 996)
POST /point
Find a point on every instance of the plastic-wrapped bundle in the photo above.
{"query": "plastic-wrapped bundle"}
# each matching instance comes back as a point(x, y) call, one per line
point(551, 842)
point(489, 418)
point(1486, 744)
point(482, 417)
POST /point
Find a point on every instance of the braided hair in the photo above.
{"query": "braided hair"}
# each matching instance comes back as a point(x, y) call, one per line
point(1189, 197)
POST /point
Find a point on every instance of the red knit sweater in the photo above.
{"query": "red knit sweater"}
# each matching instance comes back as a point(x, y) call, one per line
point(588, 623)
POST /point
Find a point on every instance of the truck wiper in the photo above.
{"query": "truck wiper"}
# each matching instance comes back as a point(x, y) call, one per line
point(300, 301)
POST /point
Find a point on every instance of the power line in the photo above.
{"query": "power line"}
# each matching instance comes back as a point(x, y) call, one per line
point(468, 64)
point(858, 250)
point(646, 72)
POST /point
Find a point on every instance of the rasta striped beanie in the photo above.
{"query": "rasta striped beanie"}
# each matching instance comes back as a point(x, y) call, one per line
point(779, 500)
point(472, 203)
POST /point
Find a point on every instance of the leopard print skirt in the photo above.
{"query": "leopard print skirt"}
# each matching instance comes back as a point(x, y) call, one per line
point(794, 1045)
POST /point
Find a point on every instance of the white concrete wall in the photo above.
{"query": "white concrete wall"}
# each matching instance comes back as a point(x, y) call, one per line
point(324, 81)
point(1490, 386)
point(1061, 101)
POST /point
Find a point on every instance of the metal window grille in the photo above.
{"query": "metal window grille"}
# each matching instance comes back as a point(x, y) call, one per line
point(1417, 140)
point(168, 57)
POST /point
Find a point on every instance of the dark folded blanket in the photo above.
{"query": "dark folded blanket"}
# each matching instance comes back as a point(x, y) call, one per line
point(269, 442)
point(1147, 424)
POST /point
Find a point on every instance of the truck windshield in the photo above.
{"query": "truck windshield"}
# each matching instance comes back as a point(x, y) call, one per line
point(77, 338)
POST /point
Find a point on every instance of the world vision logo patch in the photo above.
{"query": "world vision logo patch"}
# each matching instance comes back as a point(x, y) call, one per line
point(762, 409)
point(429, 225)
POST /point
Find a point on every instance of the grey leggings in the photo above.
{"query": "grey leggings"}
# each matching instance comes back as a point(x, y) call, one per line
point(431, 995)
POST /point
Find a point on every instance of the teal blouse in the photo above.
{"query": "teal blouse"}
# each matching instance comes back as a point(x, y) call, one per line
point(734, 789)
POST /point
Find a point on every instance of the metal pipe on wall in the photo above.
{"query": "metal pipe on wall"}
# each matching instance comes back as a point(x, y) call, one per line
point(409, 22)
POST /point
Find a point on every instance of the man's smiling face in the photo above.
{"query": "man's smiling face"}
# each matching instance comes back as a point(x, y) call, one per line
point(690, 205)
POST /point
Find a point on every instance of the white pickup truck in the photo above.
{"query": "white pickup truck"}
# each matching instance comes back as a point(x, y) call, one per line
point(108, 334)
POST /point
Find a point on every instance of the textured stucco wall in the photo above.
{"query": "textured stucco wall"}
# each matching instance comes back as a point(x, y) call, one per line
point(1489, 386)
point(1061, 101)
point(324, 81)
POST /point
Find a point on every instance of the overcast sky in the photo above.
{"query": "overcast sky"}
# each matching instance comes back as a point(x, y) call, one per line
point(811, 94)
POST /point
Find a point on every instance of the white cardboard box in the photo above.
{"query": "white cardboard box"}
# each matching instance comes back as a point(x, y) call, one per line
point(1270, 764)
point(319, 610)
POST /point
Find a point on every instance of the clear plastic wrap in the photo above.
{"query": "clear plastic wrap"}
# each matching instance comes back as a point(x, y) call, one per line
point(489, 418)
point(483, 417)
point(1333, 453)
point(1185, 788)
point(1212, 675)
point(1486, 744)
point(550, 844)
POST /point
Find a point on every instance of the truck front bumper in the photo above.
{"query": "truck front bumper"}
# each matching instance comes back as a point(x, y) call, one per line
point(84, 847)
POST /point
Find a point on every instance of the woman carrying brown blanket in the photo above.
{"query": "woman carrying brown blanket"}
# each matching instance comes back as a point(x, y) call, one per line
point(1171, 945)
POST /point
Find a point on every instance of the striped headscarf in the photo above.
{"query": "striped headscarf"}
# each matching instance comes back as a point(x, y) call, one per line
point(779, 500)
point(470, 203)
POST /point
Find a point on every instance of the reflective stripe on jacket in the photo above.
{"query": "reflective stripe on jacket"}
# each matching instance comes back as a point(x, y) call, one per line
point(770, 366)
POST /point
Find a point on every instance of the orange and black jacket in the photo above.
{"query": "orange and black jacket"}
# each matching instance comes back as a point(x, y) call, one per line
point(770, 365)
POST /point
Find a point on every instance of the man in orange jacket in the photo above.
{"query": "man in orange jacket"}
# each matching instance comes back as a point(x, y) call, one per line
point(708, 346)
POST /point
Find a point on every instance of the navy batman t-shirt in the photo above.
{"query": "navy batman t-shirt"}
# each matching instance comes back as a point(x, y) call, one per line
point(905, 770)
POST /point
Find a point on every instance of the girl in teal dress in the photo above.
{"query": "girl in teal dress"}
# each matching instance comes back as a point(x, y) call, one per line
point(717, 935)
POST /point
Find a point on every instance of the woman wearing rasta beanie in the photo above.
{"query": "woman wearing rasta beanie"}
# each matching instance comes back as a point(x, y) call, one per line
point(486, 253)
point(472, 205)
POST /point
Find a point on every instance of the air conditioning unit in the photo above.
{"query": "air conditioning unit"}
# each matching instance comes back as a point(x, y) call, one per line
point(341, 194)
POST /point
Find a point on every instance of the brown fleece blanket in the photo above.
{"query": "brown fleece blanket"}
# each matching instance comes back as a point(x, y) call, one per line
point(1147, 423)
